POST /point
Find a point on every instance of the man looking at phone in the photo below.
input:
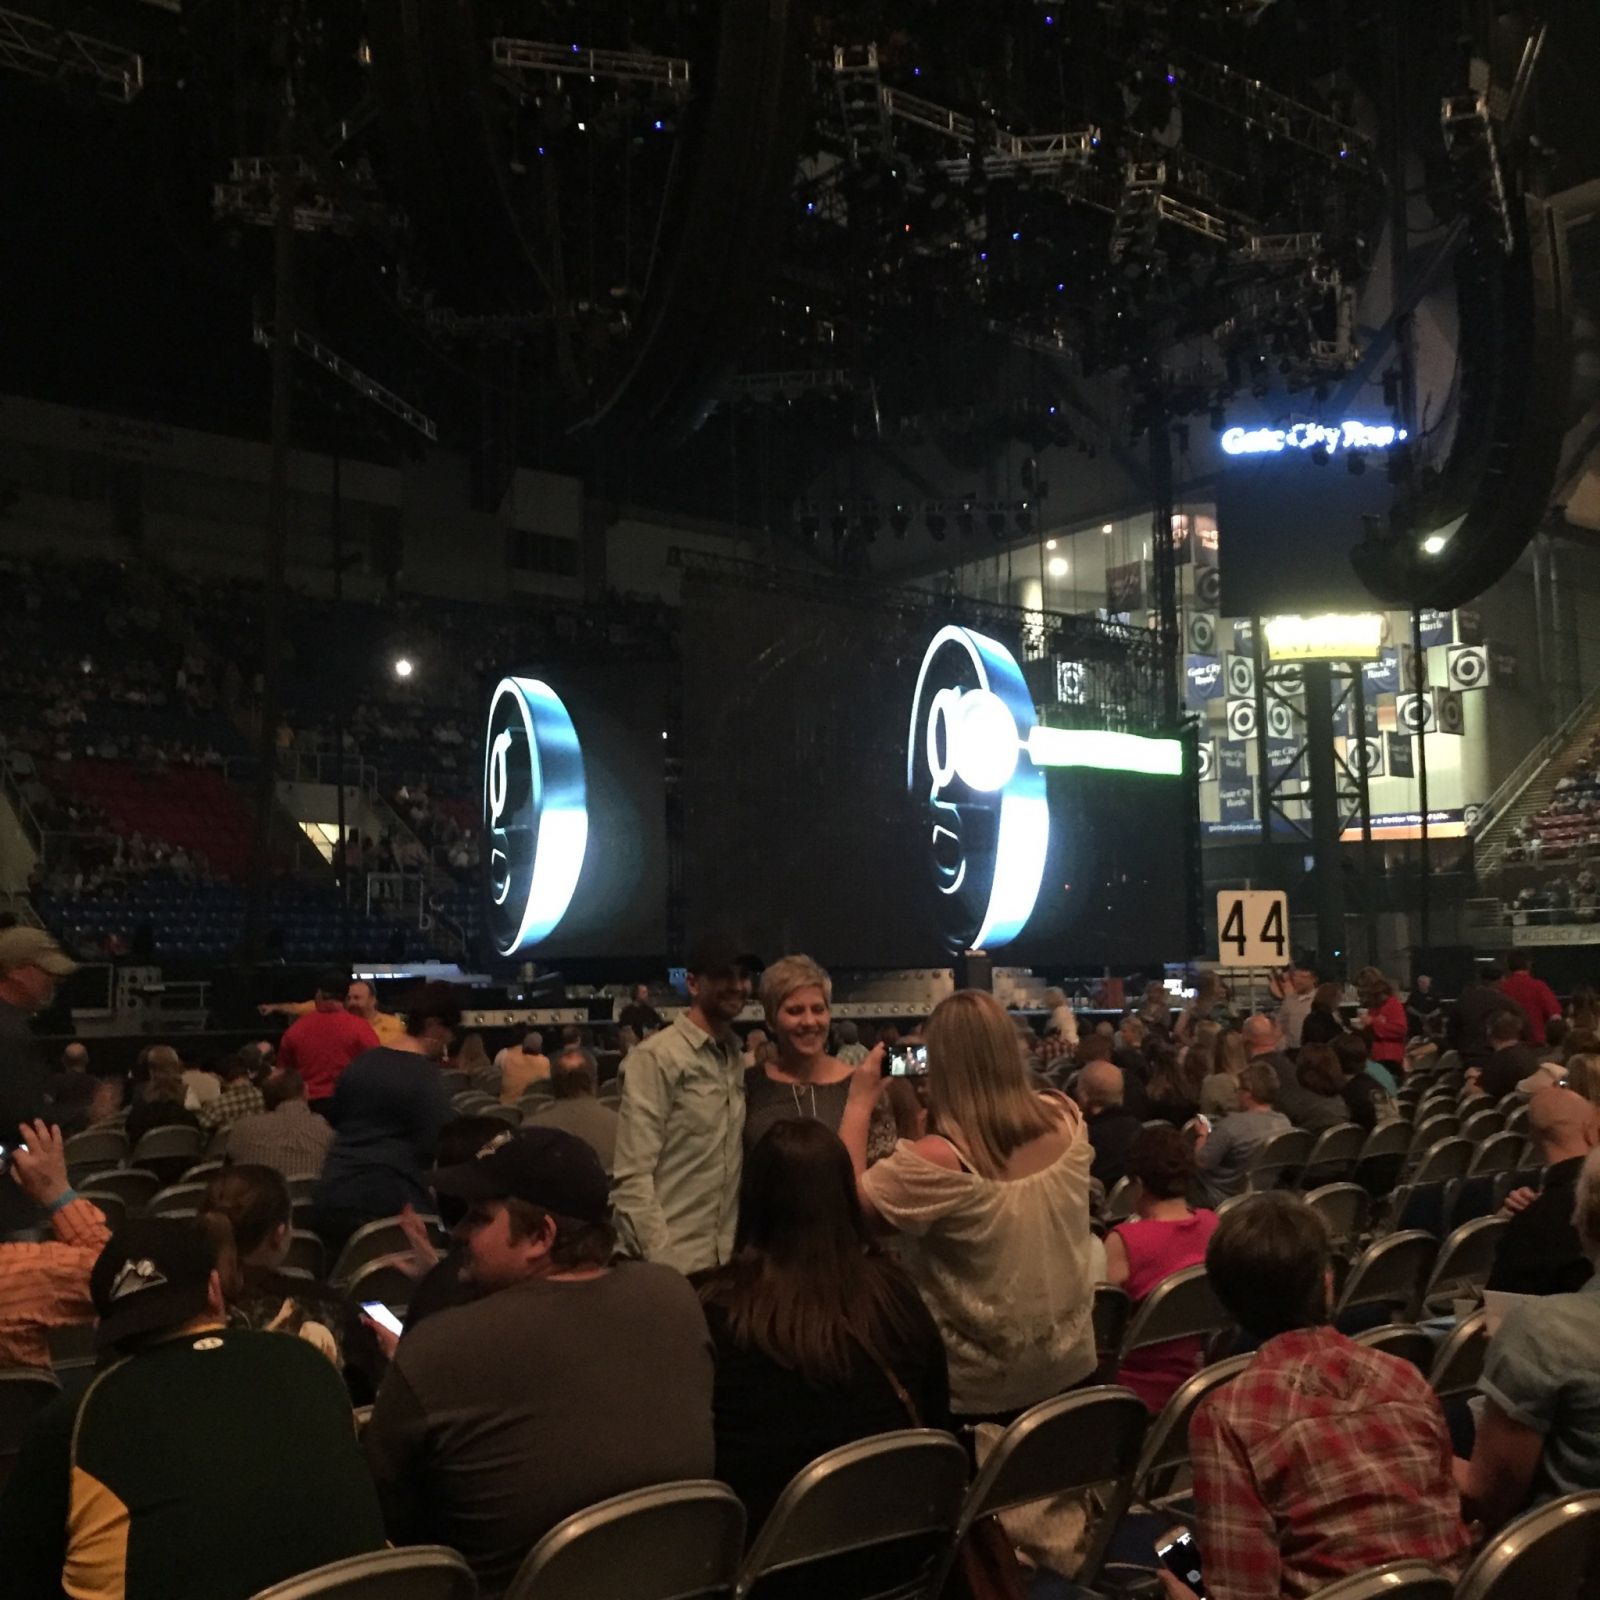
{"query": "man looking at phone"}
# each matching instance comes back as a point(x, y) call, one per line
point(1322, 1459)
point(680, 1140)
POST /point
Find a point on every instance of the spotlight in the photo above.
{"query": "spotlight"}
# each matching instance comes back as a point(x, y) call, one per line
point(1058, 567)
point(1434, 544)
point(402, 667)
point(964, 524)
point(900, 521)
point(1049, 544)
point(1024, 518)
point(1108, 528)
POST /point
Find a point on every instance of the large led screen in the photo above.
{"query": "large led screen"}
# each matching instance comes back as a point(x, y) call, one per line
point(876, 791)
point(574, 835)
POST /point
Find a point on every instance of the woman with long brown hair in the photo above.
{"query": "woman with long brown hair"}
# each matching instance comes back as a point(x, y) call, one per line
point(820, 1338)
point(992, 1209)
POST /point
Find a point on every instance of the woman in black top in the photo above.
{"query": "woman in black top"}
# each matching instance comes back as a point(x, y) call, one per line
point(1323, 1023)
point(820, 1338)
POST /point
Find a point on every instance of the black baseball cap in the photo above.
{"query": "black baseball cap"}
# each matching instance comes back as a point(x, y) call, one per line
point(715, 956)
point(154, 1273)
point(547, 1167)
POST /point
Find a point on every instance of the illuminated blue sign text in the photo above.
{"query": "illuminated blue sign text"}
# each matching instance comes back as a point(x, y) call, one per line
point(1308, 436)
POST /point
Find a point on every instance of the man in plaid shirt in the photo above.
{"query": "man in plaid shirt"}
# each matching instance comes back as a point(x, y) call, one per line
point(240, 1097)
point(1323, 1458)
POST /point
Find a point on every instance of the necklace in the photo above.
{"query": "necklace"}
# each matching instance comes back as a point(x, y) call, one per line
point(799, 1109)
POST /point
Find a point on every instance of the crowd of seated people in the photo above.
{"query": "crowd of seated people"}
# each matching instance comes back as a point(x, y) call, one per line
point(1569, 825)
point(729, 1306)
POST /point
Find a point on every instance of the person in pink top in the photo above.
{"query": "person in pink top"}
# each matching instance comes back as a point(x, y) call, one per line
point(1164, 1236)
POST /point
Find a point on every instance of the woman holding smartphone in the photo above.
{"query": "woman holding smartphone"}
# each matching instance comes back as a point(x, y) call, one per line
point(992, 1211)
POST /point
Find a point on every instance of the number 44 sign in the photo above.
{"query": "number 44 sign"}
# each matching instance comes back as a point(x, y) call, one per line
point(1252, 928)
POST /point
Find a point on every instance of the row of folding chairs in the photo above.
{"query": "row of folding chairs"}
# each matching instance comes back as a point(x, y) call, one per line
point(167, 1151)
point(686, 1539)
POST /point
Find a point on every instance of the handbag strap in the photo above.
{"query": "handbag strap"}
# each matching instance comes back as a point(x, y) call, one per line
point(901, 1393)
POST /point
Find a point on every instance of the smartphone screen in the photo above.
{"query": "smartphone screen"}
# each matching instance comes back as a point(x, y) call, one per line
point(383, 1316)
point(1180, 1555)
point(910, 1062)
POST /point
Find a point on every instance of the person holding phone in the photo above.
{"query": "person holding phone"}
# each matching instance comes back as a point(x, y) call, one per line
point(991, 1210)
point(1322, 1459)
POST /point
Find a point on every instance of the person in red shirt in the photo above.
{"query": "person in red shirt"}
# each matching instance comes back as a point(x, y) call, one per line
point(1322, 1459)
point(1534, 995)
point(325, 1041)
point(1386, 1018)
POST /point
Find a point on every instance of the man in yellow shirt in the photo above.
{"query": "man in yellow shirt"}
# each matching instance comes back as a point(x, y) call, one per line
point(361, 1000)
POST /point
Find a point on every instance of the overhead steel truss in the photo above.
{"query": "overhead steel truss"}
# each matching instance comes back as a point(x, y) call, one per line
point(521, 56)
point(41, 49)
point(347, 372)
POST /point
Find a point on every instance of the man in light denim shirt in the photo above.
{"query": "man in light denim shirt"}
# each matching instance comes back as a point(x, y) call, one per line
point(680, 1140)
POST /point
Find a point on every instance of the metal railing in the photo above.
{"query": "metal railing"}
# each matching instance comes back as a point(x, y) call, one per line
point(1510, 790)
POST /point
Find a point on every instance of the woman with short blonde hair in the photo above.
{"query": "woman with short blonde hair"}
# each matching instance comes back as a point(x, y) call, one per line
point(992, 1211)
point(792, 1074)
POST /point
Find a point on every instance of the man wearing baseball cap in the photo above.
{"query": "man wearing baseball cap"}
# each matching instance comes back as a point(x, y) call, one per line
point(680, 1141)
point(207, 1463)
point(568, 1380)
point(31, 965)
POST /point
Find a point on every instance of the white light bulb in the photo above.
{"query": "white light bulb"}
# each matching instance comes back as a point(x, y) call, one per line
point(1434, 544)
point(1058, 567)
point(402, 668)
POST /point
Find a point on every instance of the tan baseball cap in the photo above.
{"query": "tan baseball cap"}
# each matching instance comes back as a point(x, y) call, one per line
point(33, 947)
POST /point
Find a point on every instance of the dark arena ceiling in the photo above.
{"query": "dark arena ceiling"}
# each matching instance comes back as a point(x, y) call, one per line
point(678, 245)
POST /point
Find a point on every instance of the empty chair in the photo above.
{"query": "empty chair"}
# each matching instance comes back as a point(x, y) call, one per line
point(1450, 1158)
point(381, 1280)
point(1464, 1259)
point(1333, 1156)
point(415, 1572)
point(94, 1150)
point(134, 1185)
point(24, 1393)
point(111, 1206)
point(1396, 1580)
point(373, 1242)
point(1420, 1205)
point(1389, 1273)
point(181, 1200)
point(1481, 1125)
point(1459, 1362)
point(1382, 1156)
point(202, 1170)
point(1092, 1437)
point(1342, 1207)
point(1402, 1339)
point(1500, 1153)
point(1166, 1445)
point(1552, 1553)
point(1179, 1307)
point(168, 1151)
point(1112, 1309)
point(1283, 1154)
point(899, 1493)
point(665, 1543)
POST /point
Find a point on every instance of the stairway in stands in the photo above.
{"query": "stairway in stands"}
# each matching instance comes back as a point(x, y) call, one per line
point(1530, 788)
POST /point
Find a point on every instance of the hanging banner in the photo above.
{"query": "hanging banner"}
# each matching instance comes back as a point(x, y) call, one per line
point(1383, 675)
point(1402, 763)
point(1204, 677)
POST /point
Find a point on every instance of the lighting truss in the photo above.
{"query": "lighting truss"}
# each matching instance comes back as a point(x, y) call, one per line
point(927, 114)
point(40, 49)
point(486, 325)
point(1194, 219)
point(346, 372)
point(1271, 249)
point(1468, 133)
point(524, 56)
point(1138, 207)
point(785, 385)
point(1275, 114)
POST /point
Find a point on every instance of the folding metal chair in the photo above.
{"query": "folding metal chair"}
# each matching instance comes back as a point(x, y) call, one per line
point(1382, 1156)
point(1552, 1553)
point(168, 1152)
point(1458, 1364)
point(307, 1253)
point(901, 1490)
point(1181, 1305)
point(1464, 1260)
point(1088, 1438)
point(1450, 1158)
point(413, 1572)
point(1402, 1339)
point(374, 1241)
point(1166, 1444)
point(1481, 1125)
point(1112, 1309)
point(94, 1150)
point(381, 1280)
point(1342, 1207)
point(1397, 1580)
point(111, 1206)
point(510, 1115)
point(1285, 1152)
point(671, 1542)
point(1333, 1157)
point(1389, 1273)
point(1119, 1203)
point(1502, 1152)
point(136, 1186)
point(181, 1200)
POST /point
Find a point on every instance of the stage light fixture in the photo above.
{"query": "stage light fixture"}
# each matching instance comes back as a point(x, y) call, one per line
point(402, 667)
point(1434, 544)
point(1059, 567)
